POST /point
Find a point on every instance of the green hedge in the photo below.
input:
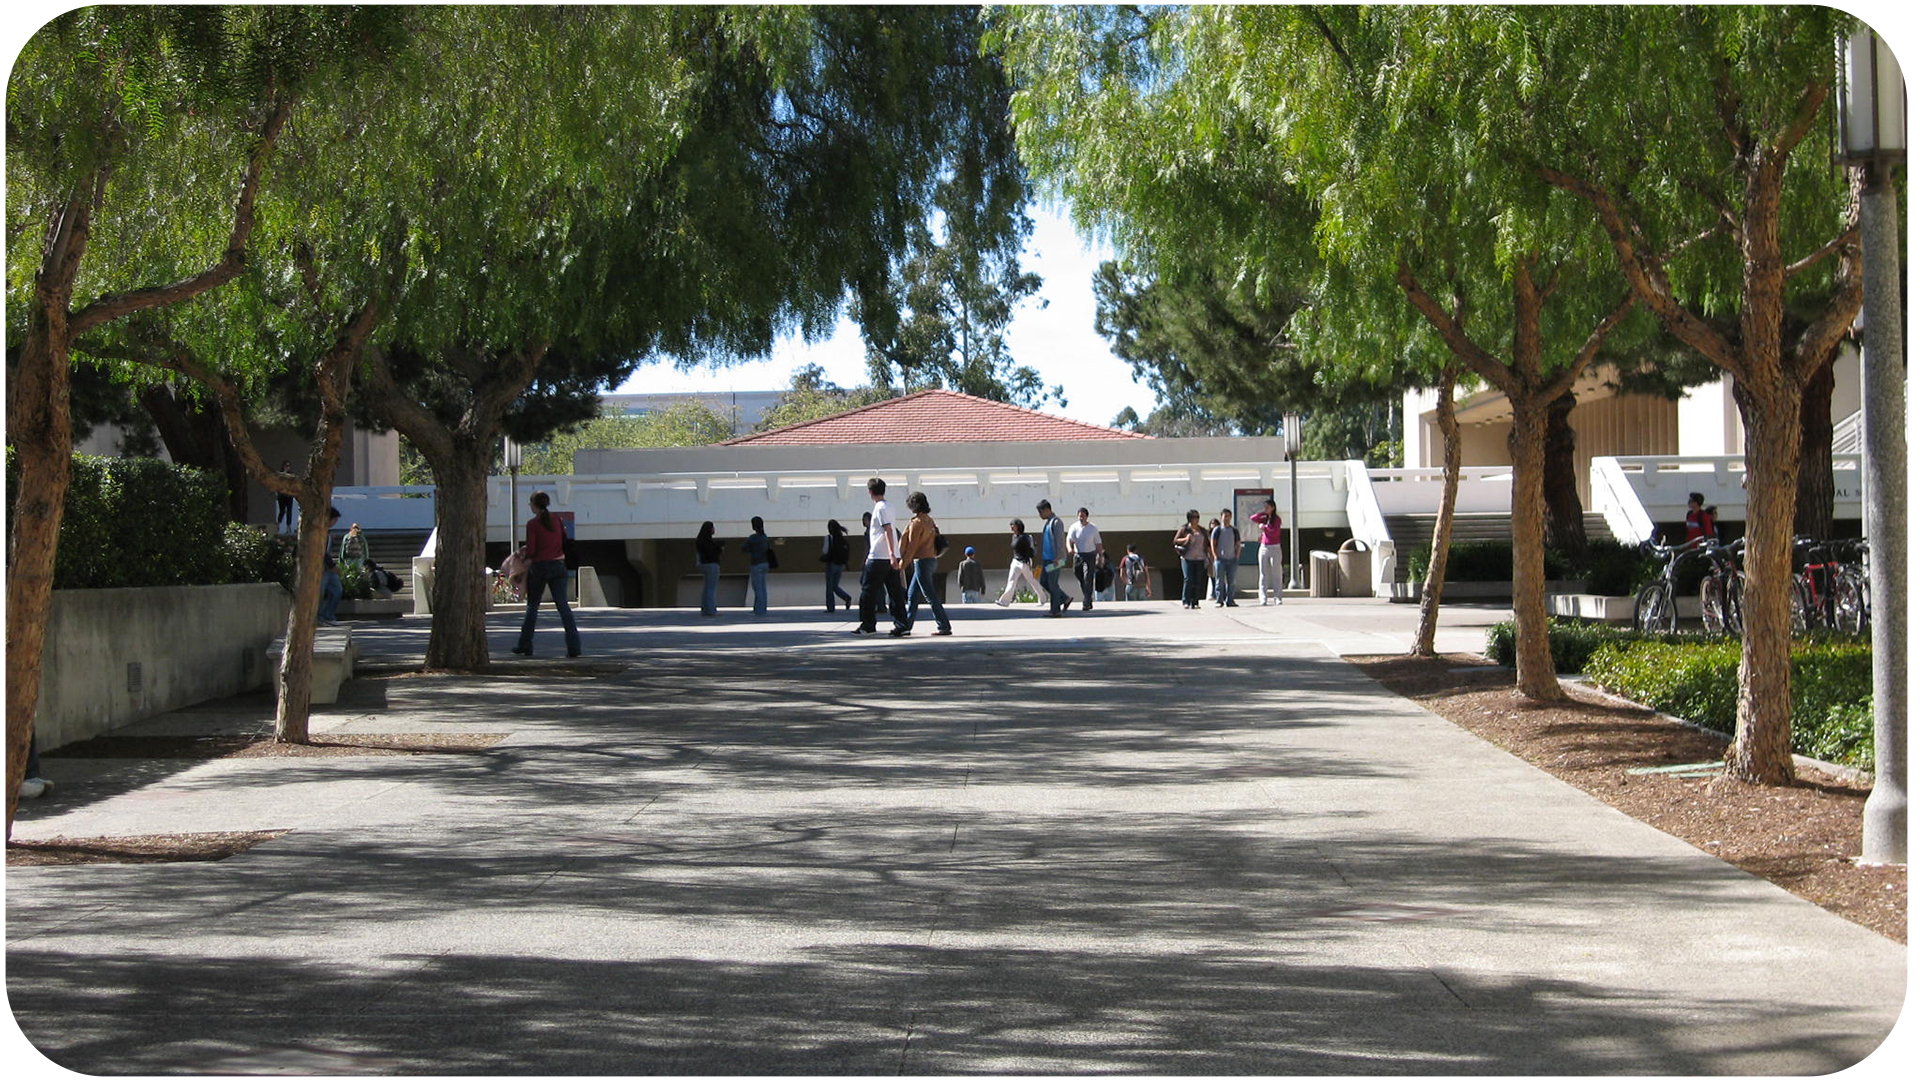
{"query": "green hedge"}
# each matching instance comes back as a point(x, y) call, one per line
point(1699, 682)
point(141, 522)
point(1571, 640)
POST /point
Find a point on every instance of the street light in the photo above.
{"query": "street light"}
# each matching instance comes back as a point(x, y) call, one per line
point(510, 456)
point(1873, 137)
point(1290, 428)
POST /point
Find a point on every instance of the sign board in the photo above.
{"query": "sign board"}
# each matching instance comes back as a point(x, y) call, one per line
point(1246, 503)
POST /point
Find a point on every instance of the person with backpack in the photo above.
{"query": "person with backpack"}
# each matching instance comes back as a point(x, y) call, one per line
point(1136, 577)
point(547, 571)
point(920, 548)
point(1225, 540)
point(836, 553)
point(1103, 578)
point(1702, 522)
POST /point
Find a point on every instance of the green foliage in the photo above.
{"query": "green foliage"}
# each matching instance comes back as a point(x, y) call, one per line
point(1611, 568)
point(256, 555)
point(1572, 642)
point(813, 397)
point(137, 522)
point(685, 423)
point(1699, 682)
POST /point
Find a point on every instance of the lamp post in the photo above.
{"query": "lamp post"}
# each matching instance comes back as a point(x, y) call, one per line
point(1873, 138)
point(1290, 427)
point(510, 456)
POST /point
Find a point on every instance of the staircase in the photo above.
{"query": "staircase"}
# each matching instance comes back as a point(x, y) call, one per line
point(1412, 532)
point(395, 551)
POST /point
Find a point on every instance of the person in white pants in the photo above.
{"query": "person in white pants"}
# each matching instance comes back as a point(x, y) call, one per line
point(1273, 565)
point(1021, 570)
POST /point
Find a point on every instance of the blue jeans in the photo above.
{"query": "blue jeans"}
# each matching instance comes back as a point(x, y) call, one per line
point(1224, 573)
point(1056, 596)
point(710, 588)
point(543, 577)
point(922, 585)
point(834, 589)
point(757, 578)
point(1194, 586)
point(331, 590)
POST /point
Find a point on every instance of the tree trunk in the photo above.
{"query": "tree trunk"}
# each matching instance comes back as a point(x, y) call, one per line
point(196, 435)
point(458, 640)
point(1813, 509)
point(1534, 675)
point(40, 427)
point(294, 707)
point(1436, 584)
point(1566, 524)
point(1762, 751)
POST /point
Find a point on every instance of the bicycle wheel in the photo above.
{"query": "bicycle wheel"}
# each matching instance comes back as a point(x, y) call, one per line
point(1801, 607)
point(1849, 604)
point(1713, 607)
point(1736, 603)
point(1653, 610)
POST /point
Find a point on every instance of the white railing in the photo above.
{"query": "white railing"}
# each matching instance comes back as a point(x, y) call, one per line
point(1484, 489)
point(1368, 523)
point(1849, 435)
point(1659, 486)
point(1614, 498)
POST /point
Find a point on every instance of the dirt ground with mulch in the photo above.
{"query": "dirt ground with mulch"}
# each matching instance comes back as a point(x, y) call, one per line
point(162, 847)
point(1802, 838)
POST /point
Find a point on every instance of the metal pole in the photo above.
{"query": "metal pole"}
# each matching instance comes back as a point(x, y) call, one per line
point(1884, 467)
point(1293, 518)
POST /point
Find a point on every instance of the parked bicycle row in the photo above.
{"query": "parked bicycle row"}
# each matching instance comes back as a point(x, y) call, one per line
point(1830, 590)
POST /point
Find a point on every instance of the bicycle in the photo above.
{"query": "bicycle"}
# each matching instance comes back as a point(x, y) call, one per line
point(1827, 592)
point(1723, 589)
point(1654, 609)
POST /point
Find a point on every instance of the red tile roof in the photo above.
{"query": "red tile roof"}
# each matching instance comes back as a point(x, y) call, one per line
point(932, 416)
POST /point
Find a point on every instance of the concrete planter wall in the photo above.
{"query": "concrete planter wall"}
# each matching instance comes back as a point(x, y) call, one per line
point(1408, 592)
point(114, 656)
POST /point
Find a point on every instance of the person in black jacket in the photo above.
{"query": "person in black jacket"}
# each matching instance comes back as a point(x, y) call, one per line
point(1020, 572)
point(706, 554)
point(836, 553)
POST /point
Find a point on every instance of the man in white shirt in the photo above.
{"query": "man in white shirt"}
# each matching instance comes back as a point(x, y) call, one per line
point(883, 567)
point(1083, 537)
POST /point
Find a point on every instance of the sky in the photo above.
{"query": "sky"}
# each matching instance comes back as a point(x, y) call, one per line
point(1055, 338)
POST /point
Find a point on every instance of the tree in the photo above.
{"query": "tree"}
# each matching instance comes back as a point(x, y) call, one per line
point(684, 423)
point(812, 396)
point(102, 105)
point(1366, 109)
point(1708, 168)
point(790, 155)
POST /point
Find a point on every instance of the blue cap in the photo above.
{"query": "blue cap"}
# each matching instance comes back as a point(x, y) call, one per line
point(969, 551)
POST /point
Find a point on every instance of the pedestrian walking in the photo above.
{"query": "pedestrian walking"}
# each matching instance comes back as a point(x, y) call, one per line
point(1103, 578)
point(1053, 555)
point(759, 552)
point(546, 552)
point(1020, 570)
point(1273, 564)
point(332, 589)
point(835, 552)
point(973, 579)
point(283, 503)
point(920, 549)
point(882, 576)
point(1701, 520)
point(706, 555)
point(1083, 538)
point(1136, 577)
point(1190, 543)
point(1225, 540)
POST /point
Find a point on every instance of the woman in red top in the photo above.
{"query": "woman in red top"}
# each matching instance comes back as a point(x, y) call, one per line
point(1700, 519)
point(548, 570)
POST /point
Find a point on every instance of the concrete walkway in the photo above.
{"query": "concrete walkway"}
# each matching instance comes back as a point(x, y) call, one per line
point(1138, 840)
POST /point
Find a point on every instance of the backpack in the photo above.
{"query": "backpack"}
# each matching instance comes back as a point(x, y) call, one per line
point(939, 541)
point(1133, 569)
point(1103, 578)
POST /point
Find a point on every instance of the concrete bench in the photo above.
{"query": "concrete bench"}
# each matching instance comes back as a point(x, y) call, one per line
point(333, 655)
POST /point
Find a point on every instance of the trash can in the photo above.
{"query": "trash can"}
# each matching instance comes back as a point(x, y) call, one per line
point(1356, 569)
point(1323, 573)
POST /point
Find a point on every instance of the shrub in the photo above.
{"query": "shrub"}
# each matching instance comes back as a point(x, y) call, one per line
point(257, 555)
point(1699, 682)
point(1572, 641)
point(1611, 568)
point(139, 522)
point(1481, 560)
